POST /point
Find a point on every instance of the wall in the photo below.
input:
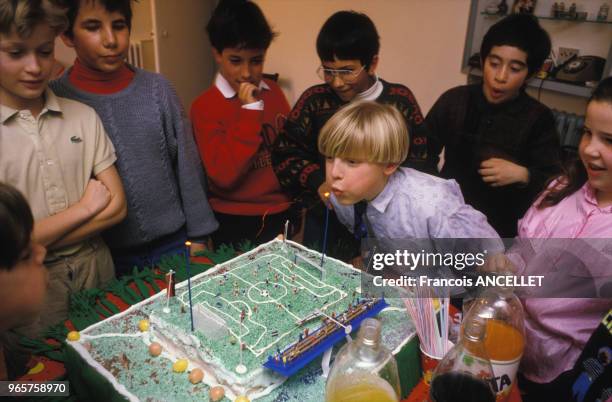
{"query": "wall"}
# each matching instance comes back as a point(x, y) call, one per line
point(182, 46)
point(142, 23)
point(421, 42)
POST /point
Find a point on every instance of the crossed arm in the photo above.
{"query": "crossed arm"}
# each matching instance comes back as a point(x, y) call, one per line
point(101, 206)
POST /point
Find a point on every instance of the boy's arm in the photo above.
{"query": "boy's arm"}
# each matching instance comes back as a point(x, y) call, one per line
point(457, 220)
point(49, 230)
point(295, 154)
point(499, 172)
point(471, 232)
point(228, 151)
point(114, 212)
point(465, 222)
point(228, 148)
point(542, 160)
point(200, 220)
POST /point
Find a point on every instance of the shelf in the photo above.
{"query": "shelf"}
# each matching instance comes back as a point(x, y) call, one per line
point(550, 18)
point(550, 85)
point(572, 33)
point(570, 20)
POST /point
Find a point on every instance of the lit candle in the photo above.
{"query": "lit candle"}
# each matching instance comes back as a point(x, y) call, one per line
point(325, 229)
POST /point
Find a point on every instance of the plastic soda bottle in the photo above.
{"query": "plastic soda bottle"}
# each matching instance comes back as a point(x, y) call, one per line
point(504, 338)
point(364, 370)
point(465, 373)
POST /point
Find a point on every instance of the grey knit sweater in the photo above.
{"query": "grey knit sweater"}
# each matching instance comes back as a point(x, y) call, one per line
point(157, 159)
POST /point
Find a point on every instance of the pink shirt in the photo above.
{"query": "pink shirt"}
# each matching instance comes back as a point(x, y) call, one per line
point(557, 329)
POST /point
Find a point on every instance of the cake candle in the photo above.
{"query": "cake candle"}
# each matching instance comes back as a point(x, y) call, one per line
point(187, 253)
point(325, 229)
point(286, 230)
point(169, 290)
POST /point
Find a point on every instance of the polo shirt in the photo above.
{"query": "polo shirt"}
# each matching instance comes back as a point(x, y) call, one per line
point(50, 158)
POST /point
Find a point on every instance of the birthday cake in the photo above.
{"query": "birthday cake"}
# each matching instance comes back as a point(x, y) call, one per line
point(237, 330)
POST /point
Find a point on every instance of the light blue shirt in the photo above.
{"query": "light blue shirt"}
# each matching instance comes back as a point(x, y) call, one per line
point(416, 205)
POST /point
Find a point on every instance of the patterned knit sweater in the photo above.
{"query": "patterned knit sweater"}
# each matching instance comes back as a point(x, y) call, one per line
point(296, 158)
point(157, 159)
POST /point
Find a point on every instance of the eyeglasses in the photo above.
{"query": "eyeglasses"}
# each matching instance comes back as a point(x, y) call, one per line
point(348, 76)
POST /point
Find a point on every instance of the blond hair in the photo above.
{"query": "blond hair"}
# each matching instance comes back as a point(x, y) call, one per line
point(24, 15)
point(366, 131)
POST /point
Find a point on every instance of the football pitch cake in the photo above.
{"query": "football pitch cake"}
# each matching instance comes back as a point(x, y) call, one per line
point(246, 325)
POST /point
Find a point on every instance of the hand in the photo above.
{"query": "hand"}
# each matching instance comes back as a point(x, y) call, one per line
point(96, 197)
point(325, 189)
point(358, 263)
point(499, 172)
point(248, 93)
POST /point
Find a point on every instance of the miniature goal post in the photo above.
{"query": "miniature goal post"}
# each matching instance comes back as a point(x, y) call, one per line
point(209, 323)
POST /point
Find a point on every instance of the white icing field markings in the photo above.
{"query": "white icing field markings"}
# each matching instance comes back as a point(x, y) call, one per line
point(269, 289)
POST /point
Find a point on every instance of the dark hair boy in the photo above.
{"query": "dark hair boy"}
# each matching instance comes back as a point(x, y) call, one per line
point(500, 144)
point(235, 122)
point(157, 156)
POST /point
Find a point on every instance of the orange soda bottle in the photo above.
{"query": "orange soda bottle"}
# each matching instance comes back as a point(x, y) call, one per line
point(504, 338)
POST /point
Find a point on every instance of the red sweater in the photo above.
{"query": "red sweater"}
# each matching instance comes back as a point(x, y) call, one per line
point(235, 147)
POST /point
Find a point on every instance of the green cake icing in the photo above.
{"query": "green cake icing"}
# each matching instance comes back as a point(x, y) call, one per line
point(271, 289)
